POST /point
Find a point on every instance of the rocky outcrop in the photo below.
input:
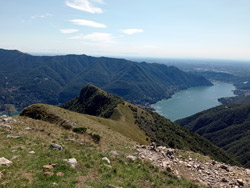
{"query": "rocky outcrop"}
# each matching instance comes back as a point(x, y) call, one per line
point(209, 173)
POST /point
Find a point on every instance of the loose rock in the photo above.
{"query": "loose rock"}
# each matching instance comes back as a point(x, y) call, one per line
point(5, 162)
point(60, 174)
point(50, 166)
point(115, 153)
point(48, 174)
point(133, 158)
point(56, 146)
point(240, 182)
point(106, 159)
point(210, 173)
point(11, 136)
point(6, 126)
point(72, 162)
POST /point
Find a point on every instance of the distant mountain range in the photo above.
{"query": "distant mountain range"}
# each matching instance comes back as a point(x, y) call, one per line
point(227, 126)
point(94, 101)
point(27, 79)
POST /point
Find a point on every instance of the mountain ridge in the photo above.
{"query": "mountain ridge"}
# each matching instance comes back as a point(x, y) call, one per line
point(28, 79)
point(159, 129)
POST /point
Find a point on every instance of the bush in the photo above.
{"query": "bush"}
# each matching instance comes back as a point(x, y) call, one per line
point(80, 130)
point(96, 137)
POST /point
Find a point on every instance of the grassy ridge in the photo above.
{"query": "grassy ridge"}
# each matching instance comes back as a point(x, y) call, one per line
point(91, 171)
point(156, 127)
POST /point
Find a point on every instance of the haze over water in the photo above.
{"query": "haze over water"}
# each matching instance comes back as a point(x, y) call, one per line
point(193, 100)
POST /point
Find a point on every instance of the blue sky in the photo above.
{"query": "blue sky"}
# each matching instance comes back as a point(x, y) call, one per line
point(142, 28)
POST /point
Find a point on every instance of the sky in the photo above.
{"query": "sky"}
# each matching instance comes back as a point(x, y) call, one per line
point(217, 29)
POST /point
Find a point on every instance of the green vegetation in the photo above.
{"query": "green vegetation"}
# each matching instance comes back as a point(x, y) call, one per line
point(27, 79)
point(91, 171)
point(79, 130)
point(227, 126)
point(94, 101)
point(156, 127)
point(235, 100)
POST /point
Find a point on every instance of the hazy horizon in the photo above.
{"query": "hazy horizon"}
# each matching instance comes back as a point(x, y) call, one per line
point(190, 29)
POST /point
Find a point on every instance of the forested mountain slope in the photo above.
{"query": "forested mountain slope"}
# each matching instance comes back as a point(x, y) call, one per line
point(156, 127)
point(27, 79)
point(227, 126)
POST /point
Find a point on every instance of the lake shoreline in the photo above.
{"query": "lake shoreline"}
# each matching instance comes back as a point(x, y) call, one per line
point(205, 96)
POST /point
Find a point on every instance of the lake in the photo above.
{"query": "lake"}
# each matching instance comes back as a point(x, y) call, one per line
point(190, 101)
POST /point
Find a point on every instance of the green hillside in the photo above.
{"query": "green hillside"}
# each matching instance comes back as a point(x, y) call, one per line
point(27, 79)
point(35, 164)
point(156, 127)
point(235, 100)
point(227, 126)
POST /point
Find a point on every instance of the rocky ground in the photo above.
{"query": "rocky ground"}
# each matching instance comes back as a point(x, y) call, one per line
point(209, 172)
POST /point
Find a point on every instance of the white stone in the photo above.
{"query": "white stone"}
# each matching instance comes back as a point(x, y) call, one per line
point(11, 136)
point(32, 152)
point(133, 158)
point(114, 153)
point(6, 126)
point(248, 171)
point(71, 161)
point(5, 162)
point(106, 159)
point(7, 119)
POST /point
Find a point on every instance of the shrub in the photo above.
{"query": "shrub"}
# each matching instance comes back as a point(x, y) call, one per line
point(80, 130)
point(96, 137)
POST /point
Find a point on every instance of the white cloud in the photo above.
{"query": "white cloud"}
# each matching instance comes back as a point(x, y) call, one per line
point(34, 17)
point(84, 5)
point(68, 31)
point(132, 31)
point(88, 23)
point(96, 37)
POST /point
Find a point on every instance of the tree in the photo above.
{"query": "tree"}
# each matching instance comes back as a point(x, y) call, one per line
point(10, 109)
